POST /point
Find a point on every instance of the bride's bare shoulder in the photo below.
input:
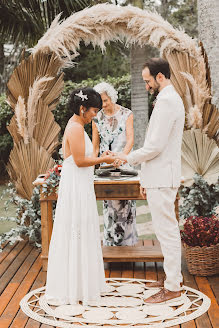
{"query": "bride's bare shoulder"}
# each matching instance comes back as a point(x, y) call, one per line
point(74, 128)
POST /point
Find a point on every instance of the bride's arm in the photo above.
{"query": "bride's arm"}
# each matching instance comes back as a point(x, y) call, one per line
point(76, 141)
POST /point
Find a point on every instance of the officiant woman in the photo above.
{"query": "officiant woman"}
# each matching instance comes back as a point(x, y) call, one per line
point(112, 129)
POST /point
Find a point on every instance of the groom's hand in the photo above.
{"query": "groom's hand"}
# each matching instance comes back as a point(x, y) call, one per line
point(143, 192)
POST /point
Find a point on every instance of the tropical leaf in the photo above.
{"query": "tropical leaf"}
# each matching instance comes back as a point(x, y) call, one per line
point(200, 154)
point(26, 162)
point(27, 20)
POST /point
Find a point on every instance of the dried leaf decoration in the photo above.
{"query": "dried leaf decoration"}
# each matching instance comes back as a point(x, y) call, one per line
point(20, 114)
point(26, 162)
point(97, 25)
point(33, 128)
point(200, 154)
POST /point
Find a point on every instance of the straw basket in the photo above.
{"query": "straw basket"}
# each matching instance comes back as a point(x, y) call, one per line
point(202, 261)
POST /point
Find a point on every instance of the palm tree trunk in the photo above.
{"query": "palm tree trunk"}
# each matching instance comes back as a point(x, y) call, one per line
point(2, 61)
point(139, 98)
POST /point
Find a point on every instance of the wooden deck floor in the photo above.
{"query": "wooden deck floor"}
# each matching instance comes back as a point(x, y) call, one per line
point(21, 271)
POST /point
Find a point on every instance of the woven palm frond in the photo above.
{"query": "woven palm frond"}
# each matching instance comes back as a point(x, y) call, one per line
point(46, 129)
point(26, 162)
point(199, 155)
point(31, 69)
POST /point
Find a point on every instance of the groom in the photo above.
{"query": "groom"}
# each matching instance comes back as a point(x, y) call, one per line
point(160, 160)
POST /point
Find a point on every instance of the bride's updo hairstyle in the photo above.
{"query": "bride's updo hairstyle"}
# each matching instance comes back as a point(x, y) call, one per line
point(87, 97)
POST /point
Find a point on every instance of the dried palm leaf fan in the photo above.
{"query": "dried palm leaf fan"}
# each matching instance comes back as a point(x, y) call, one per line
point(200, 154)
point(211, 121)
point(46, 129)
point(28, 71)
point(26, 162)
point(33, 91)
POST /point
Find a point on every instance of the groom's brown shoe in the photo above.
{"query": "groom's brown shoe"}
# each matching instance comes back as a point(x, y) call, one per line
point(163, 297)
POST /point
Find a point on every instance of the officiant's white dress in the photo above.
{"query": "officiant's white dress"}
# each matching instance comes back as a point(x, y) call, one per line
point(75, 264)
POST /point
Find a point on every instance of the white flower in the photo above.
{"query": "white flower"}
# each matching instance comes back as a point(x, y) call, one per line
point(81, 95)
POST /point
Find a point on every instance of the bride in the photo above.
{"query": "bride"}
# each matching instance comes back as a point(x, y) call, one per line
point(75, 264)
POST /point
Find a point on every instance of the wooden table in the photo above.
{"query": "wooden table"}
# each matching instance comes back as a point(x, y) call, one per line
point(104, 189)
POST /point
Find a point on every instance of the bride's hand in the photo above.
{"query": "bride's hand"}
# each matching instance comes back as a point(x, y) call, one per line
point(109, 159)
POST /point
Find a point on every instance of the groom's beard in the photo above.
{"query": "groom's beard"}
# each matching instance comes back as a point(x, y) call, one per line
point(154, 91)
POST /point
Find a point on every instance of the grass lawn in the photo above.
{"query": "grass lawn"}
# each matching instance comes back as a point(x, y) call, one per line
point(11, 212)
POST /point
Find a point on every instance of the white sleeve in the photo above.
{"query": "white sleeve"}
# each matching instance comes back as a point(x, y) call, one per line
point(158, 133)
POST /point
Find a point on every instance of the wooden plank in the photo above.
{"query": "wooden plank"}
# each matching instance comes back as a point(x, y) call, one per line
point(213, 311)
point(13, 307)
point(46, 230)
point(39, 282)
point(189, 280)
point(15, 265)
point(139, 267)
point(214, 283)
point(12, 255)
point(132, 254)
point(150, 268)
point(11, 288)
point(117, 191)
point(116, 270)
point(6, 250)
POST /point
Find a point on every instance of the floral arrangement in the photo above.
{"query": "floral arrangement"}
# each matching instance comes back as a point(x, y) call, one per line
point(200, 231)
point(52, 179)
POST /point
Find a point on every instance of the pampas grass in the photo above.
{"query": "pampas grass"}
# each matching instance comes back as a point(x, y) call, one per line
point(35, 93)
point(200, 93)
point(194, 118)
point(105, 22)
point(20, 115)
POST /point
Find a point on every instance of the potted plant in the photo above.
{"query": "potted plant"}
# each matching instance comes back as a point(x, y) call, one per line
point(200, 238)
point(200, 233)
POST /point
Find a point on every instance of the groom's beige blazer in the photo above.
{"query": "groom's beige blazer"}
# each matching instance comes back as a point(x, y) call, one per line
point(160, 157)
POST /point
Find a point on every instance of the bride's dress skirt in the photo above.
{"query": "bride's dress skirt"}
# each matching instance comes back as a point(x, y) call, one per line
point(75, 264)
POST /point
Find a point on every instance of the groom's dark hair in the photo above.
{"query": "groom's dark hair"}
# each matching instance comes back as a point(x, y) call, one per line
point(158, 65)
point(87, 97)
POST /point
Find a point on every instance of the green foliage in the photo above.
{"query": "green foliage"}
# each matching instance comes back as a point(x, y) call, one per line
point(92, 62)
point(200, 199)
point(28, 218)
point(6, 142)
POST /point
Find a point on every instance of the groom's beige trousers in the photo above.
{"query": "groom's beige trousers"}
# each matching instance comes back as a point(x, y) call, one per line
point(161, 204)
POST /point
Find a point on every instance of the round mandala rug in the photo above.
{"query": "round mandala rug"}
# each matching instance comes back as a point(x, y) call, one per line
point(122, 304)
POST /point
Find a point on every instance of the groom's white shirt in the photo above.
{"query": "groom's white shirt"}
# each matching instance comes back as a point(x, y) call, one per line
point(160, 157)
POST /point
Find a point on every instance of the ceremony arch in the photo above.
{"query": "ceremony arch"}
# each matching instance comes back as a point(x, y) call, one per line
point(36, 84)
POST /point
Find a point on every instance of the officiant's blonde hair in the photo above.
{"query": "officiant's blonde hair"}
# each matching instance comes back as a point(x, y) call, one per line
point(107, 88)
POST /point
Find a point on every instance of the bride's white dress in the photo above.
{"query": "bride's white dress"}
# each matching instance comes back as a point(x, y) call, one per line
point(75, 264)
